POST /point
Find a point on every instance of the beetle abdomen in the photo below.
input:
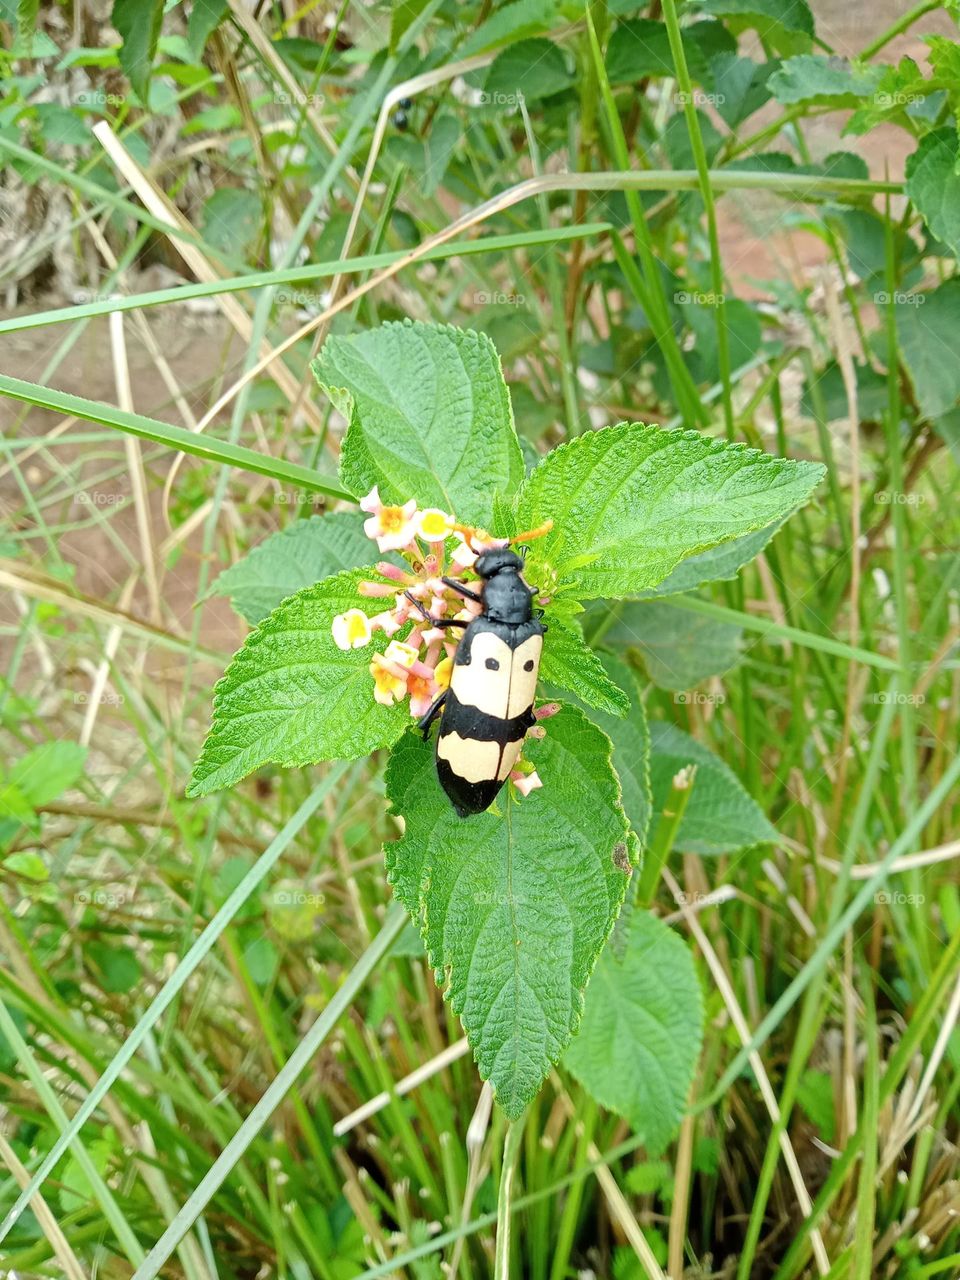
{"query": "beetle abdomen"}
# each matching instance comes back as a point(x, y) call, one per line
point(488, 710)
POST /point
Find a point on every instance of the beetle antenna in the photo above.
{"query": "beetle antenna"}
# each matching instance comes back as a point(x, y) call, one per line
point(530, 534)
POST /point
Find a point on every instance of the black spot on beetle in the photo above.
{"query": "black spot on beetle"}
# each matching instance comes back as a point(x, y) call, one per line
point(493, 664)
point(528, 665)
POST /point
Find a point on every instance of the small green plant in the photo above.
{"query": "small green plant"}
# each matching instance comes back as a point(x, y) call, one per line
point(514, 904)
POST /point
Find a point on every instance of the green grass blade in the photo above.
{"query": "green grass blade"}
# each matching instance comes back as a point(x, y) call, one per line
point(174, 984)
point(179, 438)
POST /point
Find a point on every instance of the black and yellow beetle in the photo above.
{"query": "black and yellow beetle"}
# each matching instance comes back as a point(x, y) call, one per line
point(488, 707)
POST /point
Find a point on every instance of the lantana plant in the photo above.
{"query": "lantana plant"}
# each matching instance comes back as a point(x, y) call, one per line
point(514, 904)
point(434, 547)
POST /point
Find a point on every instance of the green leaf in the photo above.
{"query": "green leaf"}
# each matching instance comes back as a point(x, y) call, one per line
point(720, 816)
point(514, 906)
point(531, 69)
point(138, 22)
point(14, 804)
point(294, 558)
point(679, 649)
point(641, 48)
point(872, 393)
point(205, 17)
point(402, 14)
point(630, 502)
point(429, 417)
point(631, 748)
point(47, 771)
point(928, 326)
point(786, 25)
point(231, 220)
point(291, 697)
point(511, 22)
point(119, 968)
point(832, 81)
point(933, 185)
point(569, 663)
point(642, 1028)
point(29, 865)
point(740, 86)
point(719, 564)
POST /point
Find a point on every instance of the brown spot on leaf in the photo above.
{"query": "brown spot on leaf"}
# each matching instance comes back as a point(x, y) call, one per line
point(621, 858)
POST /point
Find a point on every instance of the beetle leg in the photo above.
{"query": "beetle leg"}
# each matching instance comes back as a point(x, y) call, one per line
point(462, 590)
point(432, 714)
point(437, 622)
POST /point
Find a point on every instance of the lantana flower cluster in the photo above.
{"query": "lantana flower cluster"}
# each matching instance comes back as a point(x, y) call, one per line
point(434, 545)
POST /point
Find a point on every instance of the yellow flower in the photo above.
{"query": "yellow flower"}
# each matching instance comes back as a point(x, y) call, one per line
point(388, 687)
point(404, 655)
point(434, 525)
point(443, 672)
point(351, 630)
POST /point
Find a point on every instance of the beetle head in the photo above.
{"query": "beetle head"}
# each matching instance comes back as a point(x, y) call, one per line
point(490, 563)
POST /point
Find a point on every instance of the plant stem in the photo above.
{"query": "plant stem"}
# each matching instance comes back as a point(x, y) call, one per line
point(511, 1149)
point(667, 829)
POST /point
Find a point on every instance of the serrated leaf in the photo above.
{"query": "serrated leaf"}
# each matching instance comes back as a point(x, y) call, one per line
point(928, 326)
point(630, 502)
point(514, 906)
point(631, 747)
point(293, 558)
point(138, 22)
point(47, 771)
point(680, 649)
point(642, 1028)
point(719, 564)
point(291, 697)
point(812, 78)
point(533, 68)
point(641, 48)
point(933, 185)
point(569, 663)
point(429, 416)
point(720, 816)
point(786, 25)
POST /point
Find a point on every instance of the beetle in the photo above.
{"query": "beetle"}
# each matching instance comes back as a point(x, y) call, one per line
point(488, 708)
